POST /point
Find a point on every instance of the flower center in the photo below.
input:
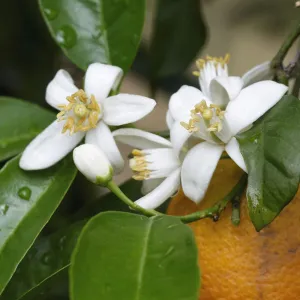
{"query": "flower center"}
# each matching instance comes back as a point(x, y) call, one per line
point(138, 165)
point(81, 114)
point(212, 117)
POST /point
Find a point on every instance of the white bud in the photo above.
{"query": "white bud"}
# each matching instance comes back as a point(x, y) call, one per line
point(93, 164)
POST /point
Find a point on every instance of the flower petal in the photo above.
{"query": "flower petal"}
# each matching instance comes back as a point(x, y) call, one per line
point(225, 89)
point(124, 108)
point(164, 191)
point(169, 119)
point(258, 73)
point(233, 150)
point(150, 184)
point(100, 79)
point(252, 102)
point(140, 139)
point(183, 101)
point(179, 136)
point(102, 137)
point(59, 88)
point(198, 168)
point(49, 147)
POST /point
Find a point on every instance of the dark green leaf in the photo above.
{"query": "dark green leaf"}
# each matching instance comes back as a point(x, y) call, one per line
point(271, 149)
point(20, 122)
point(27, 201)
point(43, 267)
point(179, 34)
point(127, 256)
point(88, 31)
point(39, 273)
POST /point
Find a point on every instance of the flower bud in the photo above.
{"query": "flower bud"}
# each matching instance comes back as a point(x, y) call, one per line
point(93, 164)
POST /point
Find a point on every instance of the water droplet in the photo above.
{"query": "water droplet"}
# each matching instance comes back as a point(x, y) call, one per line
point(66, 36)
point(46, 259)
point(24, 193)
point(3, 209)
point(169, 251)
point(62, 241)
point(50, 13)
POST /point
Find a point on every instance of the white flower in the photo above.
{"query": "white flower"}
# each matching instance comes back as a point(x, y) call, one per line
point(222, 109)
point(85, 113)
point(156, 164)
point(91, 161)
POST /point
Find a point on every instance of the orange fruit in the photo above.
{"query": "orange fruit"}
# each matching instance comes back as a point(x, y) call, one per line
point(236, 261)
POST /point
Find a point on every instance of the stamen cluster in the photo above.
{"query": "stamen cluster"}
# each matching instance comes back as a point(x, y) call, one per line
point(207, 113)
point(81, 114)
point(138, 165)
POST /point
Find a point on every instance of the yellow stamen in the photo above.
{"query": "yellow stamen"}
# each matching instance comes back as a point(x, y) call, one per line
point(81, 114)
point(138, 165)
point(217, 61)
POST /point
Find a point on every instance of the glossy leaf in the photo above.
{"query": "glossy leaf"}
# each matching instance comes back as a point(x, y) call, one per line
point(20, 122)
point(127, 256)
point(27, 201)
point(106, 31)
point(271, 149)
point(179, 34)
point(42, 273)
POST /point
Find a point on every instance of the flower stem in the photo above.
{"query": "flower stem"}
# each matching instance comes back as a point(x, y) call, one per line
point(235, 216)
point(277, 62)
point(212, 212)
point(215, 211)
point(118, 192)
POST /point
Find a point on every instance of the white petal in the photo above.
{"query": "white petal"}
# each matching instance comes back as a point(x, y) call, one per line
point(91, 161)
point(183, 101)
point(124, 108)
point(198, 168)
point(100, 79)
point(102, 137)
point(225, 89)
point(233, 150)
point(252, 102)
point(179, 136)
point(59, 88)
point(258, 73)
point(169, 119)
point(140, 139)
point(164, 191)
point(49, 147)
point(150, 184)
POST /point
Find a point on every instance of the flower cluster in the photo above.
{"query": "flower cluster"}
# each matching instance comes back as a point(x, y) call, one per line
point(202, 122)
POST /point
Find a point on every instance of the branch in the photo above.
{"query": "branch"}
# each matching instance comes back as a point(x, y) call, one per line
point(215, 211)
point(277, 62)
point(212, 212)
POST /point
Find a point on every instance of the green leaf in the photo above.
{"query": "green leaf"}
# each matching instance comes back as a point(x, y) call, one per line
point(179, 34)
point(44, 266)
point(27, 201)
point(106, 31)
point(43, 269)
point(271, 150)
point(20, 122)
point(126, 256)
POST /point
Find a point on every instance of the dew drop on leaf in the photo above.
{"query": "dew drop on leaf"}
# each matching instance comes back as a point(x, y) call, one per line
point(50, 13)
point(46, 259)
point(24, 193)
point(66, 36)
point(3, 209)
